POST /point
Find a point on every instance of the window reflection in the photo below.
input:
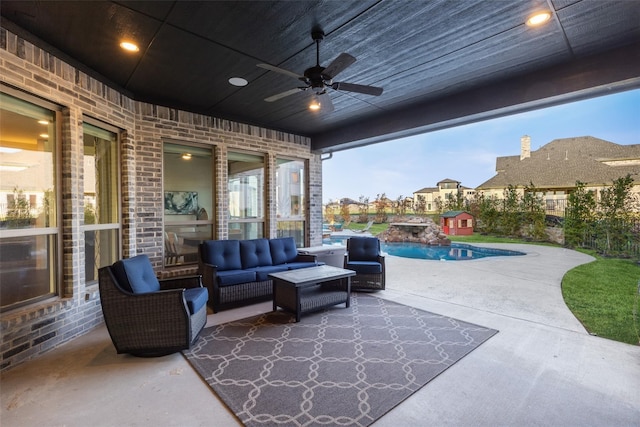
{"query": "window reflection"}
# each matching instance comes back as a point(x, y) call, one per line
point(188, 201)
point(246, 196)
point(28, 233)
point(101, 195)
point(290, 199)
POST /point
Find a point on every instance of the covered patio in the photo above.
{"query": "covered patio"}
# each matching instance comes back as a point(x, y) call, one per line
point(542, 368)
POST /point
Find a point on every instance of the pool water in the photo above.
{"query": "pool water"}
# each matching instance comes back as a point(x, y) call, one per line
point(455, 252)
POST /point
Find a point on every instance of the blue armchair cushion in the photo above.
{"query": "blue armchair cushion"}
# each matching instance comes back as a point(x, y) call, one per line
point(363, 248)
point(196, 298)
point(365, 267)
point(234, 277)
point(225, 254)
point(283, 250)
point(136, 275)
point(255, 253)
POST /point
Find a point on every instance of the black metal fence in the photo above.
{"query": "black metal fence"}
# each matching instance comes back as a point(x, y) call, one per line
point(614, 237)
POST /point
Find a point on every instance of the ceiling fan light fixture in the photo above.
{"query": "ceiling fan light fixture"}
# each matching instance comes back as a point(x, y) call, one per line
point(129, 46)
point(538, 18)
point(315, 105)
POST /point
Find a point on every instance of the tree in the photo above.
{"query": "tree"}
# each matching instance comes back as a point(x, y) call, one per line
point(421, 206)
point(400, 207)
point(579, 215)
point(381, 205)
point(363, 210)
point(455, 202)
point(18, 210)
point(330, 212)
point(613, 227)
point(509, 217)
point(344, 212)
point(488, 214)
point(533, 213)
point(438, 204)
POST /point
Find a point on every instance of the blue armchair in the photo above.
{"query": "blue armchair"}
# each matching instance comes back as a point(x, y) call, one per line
point(150, 317)
point(364, 257)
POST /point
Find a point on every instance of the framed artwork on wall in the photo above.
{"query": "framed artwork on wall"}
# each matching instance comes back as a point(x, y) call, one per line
point(181, 202)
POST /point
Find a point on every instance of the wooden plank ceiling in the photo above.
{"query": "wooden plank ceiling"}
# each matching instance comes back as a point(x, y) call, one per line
point(440, 62)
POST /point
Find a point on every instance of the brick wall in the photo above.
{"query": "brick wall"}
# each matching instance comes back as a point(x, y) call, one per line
point(35, 329)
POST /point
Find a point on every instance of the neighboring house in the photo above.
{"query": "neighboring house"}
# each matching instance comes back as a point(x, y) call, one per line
point(554, 168)
point(445, 190)
point(456, 223)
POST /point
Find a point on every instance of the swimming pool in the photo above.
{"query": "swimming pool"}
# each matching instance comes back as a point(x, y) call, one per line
point(455, 252)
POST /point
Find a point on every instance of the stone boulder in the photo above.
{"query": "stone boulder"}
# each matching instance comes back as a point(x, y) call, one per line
point(416, 230)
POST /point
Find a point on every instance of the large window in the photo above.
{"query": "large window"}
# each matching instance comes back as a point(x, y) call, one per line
point(290, 199)
point(188, 201)
point(101, 207)
point(28, 222)
point(246, 196)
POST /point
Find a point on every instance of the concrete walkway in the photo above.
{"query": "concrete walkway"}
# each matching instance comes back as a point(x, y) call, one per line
point(541, 369)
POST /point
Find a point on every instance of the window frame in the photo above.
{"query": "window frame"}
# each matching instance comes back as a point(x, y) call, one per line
point(56, 288)
point(302, 217)
point(260, 221)
point(114, 225)
point(197, 224)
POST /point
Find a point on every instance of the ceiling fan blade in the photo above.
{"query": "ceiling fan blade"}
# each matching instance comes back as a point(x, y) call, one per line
point(326, 105)
point(281, 71)
point(338, 65)
point(352, 87)
point(284, 94)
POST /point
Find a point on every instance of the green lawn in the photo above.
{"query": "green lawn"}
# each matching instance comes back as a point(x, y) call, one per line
point(603, 295)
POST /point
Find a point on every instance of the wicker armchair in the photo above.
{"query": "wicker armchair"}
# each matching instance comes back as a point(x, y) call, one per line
point(150, 317)
point(364, 257)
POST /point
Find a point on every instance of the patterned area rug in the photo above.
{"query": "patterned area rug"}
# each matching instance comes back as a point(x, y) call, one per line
point(340, 366)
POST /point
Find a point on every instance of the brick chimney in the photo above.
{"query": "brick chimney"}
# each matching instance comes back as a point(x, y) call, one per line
point(525, 147)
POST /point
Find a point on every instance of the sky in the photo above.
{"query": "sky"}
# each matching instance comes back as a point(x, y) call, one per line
point(468, 153)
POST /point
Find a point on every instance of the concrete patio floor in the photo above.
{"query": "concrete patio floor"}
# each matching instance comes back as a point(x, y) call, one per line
point(541, 369)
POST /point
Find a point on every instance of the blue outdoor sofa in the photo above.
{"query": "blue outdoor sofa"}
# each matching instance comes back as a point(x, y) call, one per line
point(236, 272)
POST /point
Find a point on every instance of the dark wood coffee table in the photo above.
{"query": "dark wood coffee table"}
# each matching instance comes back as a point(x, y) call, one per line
point(311, 289)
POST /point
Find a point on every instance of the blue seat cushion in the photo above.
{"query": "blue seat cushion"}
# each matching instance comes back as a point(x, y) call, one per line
point(234, 277)
point(224, 254)
point(363, 248)
point(255, 253)
point(302, 264)
point(196, 298)
point(262, 273)
point(283, 250)
point(365, 267)
point(136, 275)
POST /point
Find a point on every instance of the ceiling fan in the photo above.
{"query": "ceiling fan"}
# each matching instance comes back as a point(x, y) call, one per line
point(319, 78)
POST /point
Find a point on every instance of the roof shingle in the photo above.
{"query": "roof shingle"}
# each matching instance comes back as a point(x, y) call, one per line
point(562, 162)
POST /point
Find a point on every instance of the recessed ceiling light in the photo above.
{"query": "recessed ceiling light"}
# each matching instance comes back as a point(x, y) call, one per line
point(129, 46)
point(44, 135)
point(186, 156)
point(538, 18)
point(238, 81)
point(43, 122)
